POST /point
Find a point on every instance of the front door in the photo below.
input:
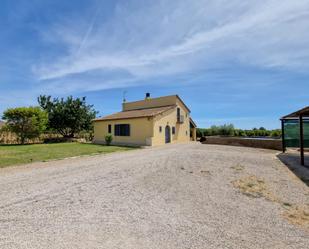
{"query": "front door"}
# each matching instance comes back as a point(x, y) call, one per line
point(167, 134)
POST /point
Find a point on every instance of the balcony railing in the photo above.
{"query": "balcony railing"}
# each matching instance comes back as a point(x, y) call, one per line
point(180, 119)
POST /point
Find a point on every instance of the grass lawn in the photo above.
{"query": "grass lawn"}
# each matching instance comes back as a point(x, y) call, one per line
point(21, 154)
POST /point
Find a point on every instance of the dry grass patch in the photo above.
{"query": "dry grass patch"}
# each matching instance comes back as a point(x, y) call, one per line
point(238, 168)
point(298, 215)
point(205, 172)
point(254, 187)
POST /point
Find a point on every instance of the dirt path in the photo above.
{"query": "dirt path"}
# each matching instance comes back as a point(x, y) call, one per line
point(177, 196)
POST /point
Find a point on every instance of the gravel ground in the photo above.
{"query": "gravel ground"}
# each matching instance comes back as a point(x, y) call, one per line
point(175, 196)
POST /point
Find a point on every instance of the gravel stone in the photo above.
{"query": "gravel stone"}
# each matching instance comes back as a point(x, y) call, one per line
point(174, 196)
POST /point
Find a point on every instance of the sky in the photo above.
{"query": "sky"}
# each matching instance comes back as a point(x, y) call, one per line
point(231, 61)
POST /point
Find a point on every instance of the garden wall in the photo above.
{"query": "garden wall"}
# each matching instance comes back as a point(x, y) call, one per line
point(273, 144)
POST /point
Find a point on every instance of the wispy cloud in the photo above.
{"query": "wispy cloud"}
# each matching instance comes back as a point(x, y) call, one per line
point(227, 58)
point(169, 37)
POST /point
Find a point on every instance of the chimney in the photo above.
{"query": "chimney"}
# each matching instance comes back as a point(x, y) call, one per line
point(147, 96)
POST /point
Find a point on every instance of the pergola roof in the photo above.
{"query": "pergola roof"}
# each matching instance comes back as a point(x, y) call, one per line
point(302, 112)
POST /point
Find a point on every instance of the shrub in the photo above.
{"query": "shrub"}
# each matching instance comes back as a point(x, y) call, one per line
point(202, 139)
point(108, 139)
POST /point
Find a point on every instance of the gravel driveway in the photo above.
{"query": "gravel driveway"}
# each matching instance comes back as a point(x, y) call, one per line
point(175, 196)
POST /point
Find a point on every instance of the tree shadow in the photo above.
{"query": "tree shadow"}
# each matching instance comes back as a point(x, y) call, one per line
point(292, 161)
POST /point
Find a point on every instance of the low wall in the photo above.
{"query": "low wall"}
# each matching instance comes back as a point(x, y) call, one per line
point(273, 144)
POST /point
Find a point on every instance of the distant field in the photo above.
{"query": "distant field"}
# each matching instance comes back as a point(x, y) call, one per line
point(21, 154)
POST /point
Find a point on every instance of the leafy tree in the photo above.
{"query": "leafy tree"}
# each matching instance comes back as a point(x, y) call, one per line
point(226, 130)
point(276, 133)
point(207, 132)
point(26, 122)
point(230, 130)
point(199, 132)
point(68, 116)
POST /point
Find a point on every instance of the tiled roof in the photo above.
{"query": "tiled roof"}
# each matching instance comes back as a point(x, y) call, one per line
point(149, 112)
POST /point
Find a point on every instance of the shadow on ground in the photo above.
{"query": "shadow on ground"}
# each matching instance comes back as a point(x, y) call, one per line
point(292, 161)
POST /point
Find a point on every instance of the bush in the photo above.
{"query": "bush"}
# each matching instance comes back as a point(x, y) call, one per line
point(108, 139)
point(202, 139)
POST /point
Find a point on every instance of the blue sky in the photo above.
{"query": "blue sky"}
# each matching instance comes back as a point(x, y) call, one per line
point(232, 61)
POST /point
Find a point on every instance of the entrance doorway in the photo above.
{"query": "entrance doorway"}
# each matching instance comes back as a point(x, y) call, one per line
point(167, 134)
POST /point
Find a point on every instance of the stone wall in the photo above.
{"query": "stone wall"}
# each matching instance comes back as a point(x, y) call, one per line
point(273, 144)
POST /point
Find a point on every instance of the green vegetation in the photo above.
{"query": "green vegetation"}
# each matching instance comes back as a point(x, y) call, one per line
point(68, 116)
point(230, 130)
point(108, 139)
point(25, 122)
point(21, 154)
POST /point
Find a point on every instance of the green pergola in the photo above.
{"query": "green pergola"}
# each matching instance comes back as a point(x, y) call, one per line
point(294, 124)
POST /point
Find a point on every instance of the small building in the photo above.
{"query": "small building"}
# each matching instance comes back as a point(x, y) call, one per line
point(295, 131)
point(152, 121)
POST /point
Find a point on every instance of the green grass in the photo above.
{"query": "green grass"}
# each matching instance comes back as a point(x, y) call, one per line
point(21, 154)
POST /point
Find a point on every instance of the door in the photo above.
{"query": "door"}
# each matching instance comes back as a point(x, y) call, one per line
point(167, 134)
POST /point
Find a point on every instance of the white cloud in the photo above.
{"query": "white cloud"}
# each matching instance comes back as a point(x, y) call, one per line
point(170, 37)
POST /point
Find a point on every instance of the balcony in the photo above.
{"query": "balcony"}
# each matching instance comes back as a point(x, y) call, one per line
point(180, 119)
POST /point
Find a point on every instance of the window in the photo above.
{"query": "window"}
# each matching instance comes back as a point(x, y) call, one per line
point(160, 129)
point(180, 118)
point(187, 133)
point(122, 130)
point(109, 128)
point(173, 130)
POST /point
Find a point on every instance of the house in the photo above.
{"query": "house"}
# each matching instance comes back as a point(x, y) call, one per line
point(1, 124)
point(152, 121)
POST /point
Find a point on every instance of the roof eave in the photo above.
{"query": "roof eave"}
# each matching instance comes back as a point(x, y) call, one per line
point(183, 103)
point(144, 116)
point(194, 124)
point(111, 119)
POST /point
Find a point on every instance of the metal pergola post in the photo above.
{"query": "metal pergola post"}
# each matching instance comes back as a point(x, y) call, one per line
point(282, 135)
point(301, 140)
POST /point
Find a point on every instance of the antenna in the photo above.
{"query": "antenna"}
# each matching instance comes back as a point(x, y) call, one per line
point(124, 96)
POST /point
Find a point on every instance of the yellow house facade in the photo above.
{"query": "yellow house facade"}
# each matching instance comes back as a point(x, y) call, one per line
point(148, 122)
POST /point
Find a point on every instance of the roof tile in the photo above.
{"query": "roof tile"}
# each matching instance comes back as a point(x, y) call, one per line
point(149, 112)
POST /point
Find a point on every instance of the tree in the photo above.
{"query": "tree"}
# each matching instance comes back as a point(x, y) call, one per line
point(26, 122)
point(68, 116)
point(276, 133)
point(226, 130)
